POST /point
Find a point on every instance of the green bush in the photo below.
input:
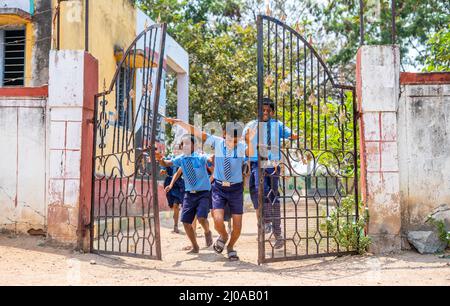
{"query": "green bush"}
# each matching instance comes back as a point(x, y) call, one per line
point(349, 232)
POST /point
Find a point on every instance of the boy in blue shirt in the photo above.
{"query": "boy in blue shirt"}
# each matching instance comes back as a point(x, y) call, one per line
point(197, 190)
point(272, 131)
point(228, 186)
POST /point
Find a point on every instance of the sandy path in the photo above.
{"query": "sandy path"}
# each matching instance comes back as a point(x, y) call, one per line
point(29, 261)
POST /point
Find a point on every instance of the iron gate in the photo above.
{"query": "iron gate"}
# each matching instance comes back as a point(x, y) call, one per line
point(315, 173)
point(125, 213)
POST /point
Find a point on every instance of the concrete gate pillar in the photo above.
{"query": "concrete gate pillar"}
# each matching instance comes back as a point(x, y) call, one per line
point(378, 90)
point(73, 82)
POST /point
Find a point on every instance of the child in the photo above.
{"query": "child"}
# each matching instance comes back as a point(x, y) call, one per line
point(175, 193)
point(197, 190)
point(228, 186)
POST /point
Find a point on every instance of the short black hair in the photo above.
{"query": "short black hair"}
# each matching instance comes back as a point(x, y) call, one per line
point(268, 101)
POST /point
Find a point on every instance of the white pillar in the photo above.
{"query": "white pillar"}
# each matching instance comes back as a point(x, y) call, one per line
point(183, 96)
point(73, 82)
point(378, 72)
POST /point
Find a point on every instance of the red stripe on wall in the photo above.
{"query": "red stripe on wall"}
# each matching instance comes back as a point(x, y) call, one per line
point(24, 91)
point(411, 78)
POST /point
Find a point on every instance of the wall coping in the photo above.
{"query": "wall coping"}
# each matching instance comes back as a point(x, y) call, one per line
point(31, 92)
point(412, 78)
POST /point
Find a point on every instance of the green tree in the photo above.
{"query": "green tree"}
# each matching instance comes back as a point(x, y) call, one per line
point(439, 46)
point(222, 56)
point(337, 24)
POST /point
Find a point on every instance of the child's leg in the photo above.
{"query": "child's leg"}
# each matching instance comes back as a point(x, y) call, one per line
point(236, 233)
point(208, 234)
point(219, 224)
point(191, 235)
point(176, 215)
point(194, 226)
point(229, 226)
point(205, 224)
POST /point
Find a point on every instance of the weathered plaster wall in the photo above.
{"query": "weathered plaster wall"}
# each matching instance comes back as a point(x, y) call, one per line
point(424, 150)
point(23, 139)
point(42, 21)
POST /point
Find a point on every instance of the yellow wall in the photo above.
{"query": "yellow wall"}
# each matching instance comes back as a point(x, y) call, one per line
point(111, 23)
point(14, 20)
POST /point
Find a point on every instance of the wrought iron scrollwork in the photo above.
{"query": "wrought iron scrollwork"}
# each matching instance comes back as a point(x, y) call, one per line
point(125, 212)
point(318, 169)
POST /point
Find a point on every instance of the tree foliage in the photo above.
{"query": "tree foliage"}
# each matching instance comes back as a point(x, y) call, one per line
point(338, 22)
point(222, 55)
point(220, 37)
point(439, 46)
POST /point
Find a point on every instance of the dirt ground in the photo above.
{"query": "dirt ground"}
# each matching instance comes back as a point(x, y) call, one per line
point(31, 261)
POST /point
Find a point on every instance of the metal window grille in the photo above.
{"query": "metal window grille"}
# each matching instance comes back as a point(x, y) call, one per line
point(14, 58)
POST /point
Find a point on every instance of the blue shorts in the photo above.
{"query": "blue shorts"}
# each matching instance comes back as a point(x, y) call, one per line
point(232, 196)
point(271, 185)
point(174, 199)
point(195, 204)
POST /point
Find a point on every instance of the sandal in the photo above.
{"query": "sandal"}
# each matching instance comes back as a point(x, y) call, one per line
point(208, 239)
point(232, 255)
point(219, 245)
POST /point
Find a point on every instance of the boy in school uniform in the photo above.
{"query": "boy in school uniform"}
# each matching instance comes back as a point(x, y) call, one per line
point(228, 186)
point(197, 190)
point(272, 131)
point(175, 193)
point(228, 189)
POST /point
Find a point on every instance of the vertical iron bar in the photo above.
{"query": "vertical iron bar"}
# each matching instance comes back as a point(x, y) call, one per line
point(328, 212)
point(291, 72)
point(394, 26)
point(112, 215)
point(305, 132)
point(153, 138)
point(312, 101)
point(260, 63)
point(318, 105)
point(279, 142)
point(298, 93)
point(276, 72)
point(86, 27)
point(325, 115)
point(58, 26)
point(355, 159)
point(317, 215)
point(94, 150)
point(361, 22)
point(268, 57)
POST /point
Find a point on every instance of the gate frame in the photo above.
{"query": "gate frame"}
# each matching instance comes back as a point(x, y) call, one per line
point(163, 27)
point(260, 85)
